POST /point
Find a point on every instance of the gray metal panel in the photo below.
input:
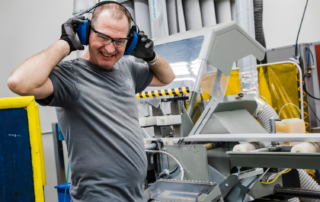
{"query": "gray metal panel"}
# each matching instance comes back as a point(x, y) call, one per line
point(315, 78)
point(237, 121)
point(193, 159)
point(280, 54)
point(260, 190)
point(230, 47)
point(218, 159)
point(284, 159)
point(221, 123)
point(213, 125)
point(224, 44)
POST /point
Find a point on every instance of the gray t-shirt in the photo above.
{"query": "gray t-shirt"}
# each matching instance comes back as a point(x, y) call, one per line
point(98, 115)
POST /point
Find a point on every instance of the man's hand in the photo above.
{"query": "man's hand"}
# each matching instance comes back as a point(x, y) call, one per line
point(69, 33)
point(144, 48)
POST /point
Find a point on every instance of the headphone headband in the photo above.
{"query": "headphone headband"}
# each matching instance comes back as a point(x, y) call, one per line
point(108, 2)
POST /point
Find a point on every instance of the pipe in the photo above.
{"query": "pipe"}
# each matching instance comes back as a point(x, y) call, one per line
point(258, 24)
point(247, 66)
point(181, 20)
point(129, 6)
point(141, 9)
point(208, 13)
point(307, 182)
point(192, 14)
point(172, 16)
point(255, 137)
point(297, 192)
point(223, 11)
point(152, 146)
point(158, 18)
point(264, 113)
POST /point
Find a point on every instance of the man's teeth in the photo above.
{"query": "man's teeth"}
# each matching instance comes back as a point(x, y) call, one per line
point(106, 55)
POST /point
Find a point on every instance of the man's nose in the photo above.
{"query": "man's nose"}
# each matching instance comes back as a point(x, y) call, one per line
point(110, 47)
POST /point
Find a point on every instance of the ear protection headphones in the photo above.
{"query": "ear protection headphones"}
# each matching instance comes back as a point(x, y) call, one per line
point(84, 29)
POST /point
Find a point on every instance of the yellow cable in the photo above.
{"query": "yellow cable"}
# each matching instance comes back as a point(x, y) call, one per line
point(276, 177)
point(305, 104)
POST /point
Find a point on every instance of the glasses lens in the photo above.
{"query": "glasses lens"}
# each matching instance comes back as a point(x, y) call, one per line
point(103, 39)
point(120, 42)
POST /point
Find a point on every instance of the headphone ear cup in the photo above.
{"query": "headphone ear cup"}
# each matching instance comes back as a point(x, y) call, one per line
point(83, 32)
point(88, 29)
point(132, 41)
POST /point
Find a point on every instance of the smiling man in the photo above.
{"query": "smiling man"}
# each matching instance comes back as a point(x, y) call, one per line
point(96, 104)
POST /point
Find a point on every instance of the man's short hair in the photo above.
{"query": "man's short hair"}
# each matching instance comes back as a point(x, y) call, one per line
point(114, 9)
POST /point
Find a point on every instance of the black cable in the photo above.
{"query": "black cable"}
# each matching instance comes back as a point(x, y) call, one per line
point(305, 89)
point(314, 113)
point(296, 47)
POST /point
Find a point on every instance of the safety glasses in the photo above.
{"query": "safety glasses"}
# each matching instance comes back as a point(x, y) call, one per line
point(105, 39)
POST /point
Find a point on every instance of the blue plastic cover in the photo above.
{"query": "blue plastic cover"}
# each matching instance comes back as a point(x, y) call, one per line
point(82, 32)
point(133, 44)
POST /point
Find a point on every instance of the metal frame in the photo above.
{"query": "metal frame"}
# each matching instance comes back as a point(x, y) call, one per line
point(58, 154)
point(39, 176)
point(300, 78)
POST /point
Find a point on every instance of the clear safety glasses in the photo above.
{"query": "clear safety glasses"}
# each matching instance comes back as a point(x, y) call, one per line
point(105, 39)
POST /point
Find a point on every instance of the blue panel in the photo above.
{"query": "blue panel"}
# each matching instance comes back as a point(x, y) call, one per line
point(16, 176)
point(60, 135)
point(186, 50)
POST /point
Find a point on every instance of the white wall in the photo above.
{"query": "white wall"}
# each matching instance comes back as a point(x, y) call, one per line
point(28, 27)
point(281, 21)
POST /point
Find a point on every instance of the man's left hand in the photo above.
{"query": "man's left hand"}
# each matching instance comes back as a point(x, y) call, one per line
point(144, 48)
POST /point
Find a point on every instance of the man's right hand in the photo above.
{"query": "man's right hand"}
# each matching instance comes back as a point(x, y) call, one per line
point(69, 33)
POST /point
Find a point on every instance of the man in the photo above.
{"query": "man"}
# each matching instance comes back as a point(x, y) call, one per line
point(96, 104)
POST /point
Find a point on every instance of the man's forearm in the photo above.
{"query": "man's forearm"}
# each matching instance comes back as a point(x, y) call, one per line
point(162, 71)
point(33, 73)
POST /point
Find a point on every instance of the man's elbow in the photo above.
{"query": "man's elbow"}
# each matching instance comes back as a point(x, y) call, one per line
point(16, 86)
point(170, 79)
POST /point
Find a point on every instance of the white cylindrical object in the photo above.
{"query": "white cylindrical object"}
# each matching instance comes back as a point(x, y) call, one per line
point(181, 20)
point(129, 6)
point(142, 16)
point(233, 11)
point(192, 14)
point(223, 11)
point(244, 147)
point(172, 16)
point(306, 147)
point(158, 18)
point(247, 65)
point(208, 13)
point(307, 182)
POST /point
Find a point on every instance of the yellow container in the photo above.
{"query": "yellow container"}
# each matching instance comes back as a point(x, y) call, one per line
point(293, 125)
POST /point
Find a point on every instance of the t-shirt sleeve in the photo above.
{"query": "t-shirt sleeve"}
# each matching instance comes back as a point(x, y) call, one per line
point(65, 86)
point(141, 74)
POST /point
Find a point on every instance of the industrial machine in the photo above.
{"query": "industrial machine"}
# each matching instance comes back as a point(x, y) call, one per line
point(202, 145)
point(190, 141)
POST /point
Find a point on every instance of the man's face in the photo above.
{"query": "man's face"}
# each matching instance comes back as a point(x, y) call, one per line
point(105, 56)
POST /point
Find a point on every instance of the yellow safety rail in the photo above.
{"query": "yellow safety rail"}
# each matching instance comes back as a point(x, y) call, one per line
point(157, 93)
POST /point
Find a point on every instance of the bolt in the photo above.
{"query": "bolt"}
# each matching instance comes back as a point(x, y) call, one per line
point(227, 185)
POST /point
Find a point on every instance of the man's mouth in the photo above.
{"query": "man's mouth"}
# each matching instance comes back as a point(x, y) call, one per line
point(106, 55)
